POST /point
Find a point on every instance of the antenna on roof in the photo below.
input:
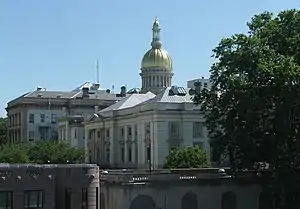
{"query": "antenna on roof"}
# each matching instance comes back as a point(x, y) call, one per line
point(113, 89)
point(97, 68)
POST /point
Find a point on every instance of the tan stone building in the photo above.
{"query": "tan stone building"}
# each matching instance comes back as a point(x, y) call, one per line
point(33, 116)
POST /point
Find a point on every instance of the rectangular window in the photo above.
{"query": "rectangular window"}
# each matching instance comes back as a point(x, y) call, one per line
point(43, 118)
point(108, 155)
point(98, 134)
point(31, 136)
point(68, 198)
point(31, 118)
point(136, 155)
point(122, 132)
point(53, 118)
point(107, 133)
point(122, 154)
point(129, 131)
point(33, 199)
point(197, 129)
point(129, 154)
point(97, 197)
point(6, 200)
point(174, 129)
point(84, 198)
point(75, 133)
point(148, 154)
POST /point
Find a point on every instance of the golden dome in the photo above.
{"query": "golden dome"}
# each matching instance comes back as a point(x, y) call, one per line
point(156, 56)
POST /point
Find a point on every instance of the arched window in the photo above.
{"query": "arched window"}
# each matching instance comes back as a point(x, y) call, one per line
point(228, 200)
point(142, 202)
point(189, 201)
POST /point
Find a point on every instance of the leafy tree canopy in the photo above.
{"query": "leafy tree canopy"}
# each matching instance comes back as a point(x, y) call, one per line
point(41, 152)
point(252, 109)
point(3, 130)
point(187, 157)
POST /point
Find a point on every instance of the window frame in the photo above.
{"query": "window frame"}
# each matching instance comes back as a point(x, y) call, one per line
point(39, 201)
point(8, 196)
point(31, 118)
point(43, 118)
point(84, 198)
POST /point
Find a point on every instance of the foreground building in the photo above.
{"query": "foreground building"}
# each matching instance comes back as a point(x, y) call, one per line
point(180, 189)
point(33, 116)
point(85, 187)
point(49, 186)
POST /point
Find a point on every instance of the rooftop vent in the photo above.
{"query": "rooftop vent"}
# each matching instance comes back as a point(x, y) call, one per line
point(58, 96)
point(39, 88)
point(107, 91)
point(40, 95)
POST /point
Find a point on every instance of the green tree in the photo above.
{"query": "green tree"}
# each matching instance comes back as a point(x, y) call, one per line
point(14, 153)
point(3, 130)
point(55, 152)
point(252, 109)
point(187, 157)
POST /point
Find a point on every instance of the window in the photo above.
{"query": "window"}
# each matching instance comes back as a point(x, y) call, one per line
point(84, 198)
point(129, 154)
point(174, 129)
point(31, 118)
point(148, 154)
point(31, 136)
point(53, 118)
point(197, 129)
point(107, 133)
point(122, 154)
point(98, 134)
point(107, 155)
point(97, 197)
point(6, 200)
point(75, 133)
point(33, 199)
point(122, 132)
point(136, 155)
point(129, 131)
point(68, 198)
point(43, 118)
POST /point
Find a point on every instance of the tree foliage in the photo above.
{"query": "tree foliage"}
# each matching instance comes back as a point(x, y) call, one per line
point(252, 108)
point(3, 130)
point(42, 152)
point(187, 157)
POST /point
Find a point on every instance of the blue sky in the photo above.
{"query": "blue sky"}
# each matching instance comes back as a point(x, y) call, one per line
point(55, 44)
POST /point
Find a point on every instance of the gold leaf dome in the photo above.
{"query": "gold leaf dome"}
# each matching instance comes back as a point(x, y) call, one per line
point(156, 57)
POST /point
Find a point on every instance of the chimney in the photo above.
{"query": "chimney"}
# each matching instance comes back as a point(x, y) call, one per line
point(85, 92)
point(123, 91)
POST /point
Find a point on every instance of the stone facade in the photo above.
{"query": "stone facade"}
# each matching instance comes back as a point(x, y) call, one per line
point(138, 132)
point(33, 116)
point(178, 189)
point(49, 186)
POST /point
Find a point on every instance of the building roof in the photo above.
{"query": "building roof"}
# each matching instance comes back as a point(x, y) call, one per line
point(130, 101)
point(172, 94)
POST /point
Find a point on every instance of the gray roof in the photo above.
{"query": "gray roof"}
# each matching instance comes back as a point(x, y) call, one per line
point(130, 101)
point(169, 96)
